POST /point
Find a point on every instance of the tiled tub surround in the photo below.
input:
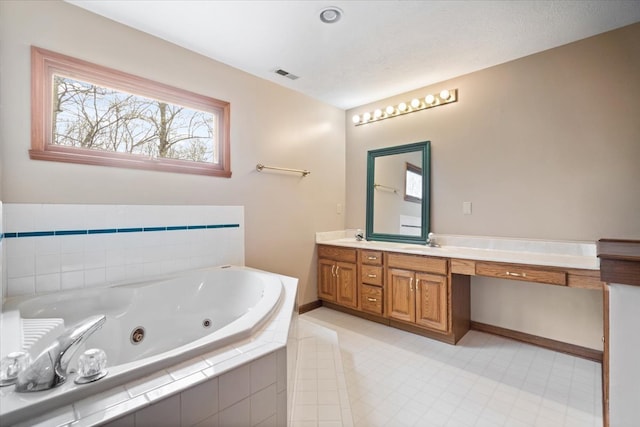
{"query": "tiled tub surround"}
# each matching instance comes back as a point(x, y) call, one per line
point(244, 383)
point(51, 247)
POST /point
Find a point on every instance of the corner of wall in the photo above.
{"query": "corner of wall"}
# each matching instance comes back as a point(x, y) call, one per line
point(3, 282)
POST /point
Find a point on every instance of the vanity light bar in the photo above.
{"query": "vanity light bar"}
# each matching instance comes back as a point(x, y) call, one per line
point(447, 96)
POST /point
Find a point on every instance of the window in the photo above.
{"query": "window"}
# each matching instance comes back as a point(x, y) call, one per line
point(86, 113)
point(413, 184)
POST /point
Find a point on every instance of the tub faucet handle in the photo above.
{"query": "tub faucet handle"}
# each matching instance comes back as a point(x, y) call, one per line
point(49, 369)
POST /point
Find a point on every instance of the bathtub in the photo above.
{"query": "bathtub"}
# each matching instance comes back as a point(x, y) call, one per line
point(181, 316)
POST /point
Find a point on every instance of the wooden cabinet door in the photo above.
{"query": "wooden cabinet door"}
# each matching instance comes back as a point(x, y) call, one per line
point(347, 288)
point(326, 279)
point(431, 301)
point(401, 302)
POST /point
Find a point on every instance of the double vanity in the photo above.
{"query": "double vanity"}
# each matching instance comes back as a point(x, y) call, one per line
point(426, 290)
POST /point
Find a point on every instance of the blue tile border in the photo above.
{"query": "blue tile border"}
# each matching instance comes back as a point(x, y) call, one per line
point(19, 234)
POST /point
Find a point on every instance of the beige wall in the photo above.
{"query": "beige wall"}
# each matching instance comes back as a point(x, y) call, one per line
point(269, 124)
point(547, 146)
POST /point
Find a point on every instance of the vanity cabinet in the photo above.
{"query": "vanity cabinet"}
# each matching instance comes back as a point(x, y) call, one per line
point(337, 275)
point(371, 281)
point(417, 291)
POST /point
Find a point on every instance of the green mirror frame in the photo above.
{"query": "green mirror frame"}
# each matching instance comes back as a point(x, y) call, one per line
point(425, 151)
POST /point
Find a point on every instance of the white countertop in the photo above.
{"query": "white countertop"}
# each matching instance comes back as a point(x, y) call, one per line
point(553, 253)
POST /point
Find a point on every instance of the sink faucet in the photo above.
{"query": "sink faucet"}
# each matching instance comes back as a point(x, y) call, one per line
point(49, 369)
point(431, 241)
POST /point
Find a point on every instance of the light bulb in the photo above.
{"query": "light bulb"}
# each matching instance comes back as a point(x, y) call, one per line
point(445, 94)
point(377, 114)
point(366, 117)
point(355, 119)
point(429, 99)
point(402, 107)
point(390, 110)
point(415, 103)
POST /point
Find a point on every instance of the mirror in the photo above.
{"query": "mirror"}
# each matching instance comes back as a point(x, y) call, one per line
point(398, 183)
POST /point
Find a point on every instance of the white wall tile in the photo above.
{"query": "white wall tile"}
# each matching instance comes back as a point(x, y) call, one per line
point(114, 257)
point(263, 372)
point(47, 264)
point(238, 415)
point(20, 266)
point(263, 404)
point(72, 243)
point(199, 403)
point(47, 245)
point(94, 259)
point(21, 286)
point(20, 247)
point(95, 277)
point(20, 217)
point(48, 283)
point(234, 386)
point(126, 421)
point(115, 274)
point(72, 280)
point(71, 261)
point(165, 413)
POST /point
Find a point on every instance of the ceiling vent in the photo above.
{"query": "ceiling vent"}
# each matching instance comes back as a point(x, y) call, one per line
point(287, 74)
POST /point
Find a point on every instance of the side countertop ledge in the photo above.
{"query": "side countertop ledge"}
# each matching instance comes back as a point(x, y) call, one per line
point(553, 253)
point(620, 261)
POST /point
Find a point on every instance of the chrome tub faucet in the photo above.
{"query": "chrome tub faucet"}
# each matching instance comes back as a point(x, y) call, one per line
point(49, 369)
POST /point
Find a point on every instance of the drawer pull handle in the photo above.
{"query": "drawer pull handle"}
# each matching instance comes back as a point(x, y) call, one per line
point(411, 284)
point(333, 270)
point(373, 276)
point(372, 258)
point(372, 299)
point(509, 273)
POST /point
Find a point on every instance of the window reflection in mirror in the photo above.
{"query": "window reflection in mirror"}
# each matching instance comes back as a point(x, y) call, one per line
point(397, 193)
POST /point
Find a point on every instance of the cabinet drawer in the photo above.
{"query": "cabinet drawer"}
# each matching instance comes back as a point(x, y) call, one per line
point(521, 272)
point(337, 254)
point(371, 257)
point(417, 263)
point(371, 299)
point(371, 274)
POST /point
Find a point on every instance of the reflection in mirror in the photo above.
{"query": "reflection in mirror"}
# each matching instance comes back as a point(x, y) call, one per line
point(398, 193)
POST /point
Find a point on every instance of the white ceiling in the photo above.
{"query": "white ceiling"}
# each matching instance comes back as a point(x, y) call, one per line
point(378, 48)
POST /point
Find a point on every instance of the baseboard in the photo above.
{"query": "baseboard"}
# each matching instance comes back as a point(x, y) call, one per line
point(309, 306)
point(562, 347)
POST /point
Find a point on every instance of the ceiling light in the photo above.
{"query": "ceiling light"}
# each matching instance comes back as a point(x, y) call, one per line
point(330, 15)
point(431, 100)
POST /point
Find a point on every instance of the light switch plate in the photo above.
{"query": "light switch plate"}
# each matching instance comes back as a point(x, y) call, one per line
point(466, 208)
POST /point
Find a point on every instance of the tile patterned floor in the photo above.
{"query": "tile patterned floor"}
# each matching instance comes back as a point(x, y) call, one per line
point(356, 372)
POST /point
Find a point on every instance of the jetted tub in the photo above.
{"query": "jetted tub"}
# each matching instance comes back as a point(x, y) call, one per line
point(180, 317)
